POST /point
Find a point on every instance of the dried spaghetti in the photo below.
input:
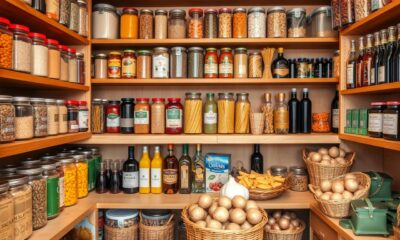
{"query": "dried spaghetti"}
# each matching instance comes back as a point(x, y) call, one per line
point(193, 109)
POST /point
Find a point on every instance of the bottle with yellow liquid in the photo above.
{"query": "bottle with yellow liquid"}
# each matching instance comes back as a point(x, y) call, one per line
point(144, 171)
point(156, 170)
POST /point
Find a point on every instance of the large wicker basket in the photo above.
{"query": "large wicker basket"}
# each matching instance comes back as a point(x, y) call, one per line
point(341, 209)
point(195, 232)
point(285, 235)
point(165, 232)
point(263, 194)
point(319, 172)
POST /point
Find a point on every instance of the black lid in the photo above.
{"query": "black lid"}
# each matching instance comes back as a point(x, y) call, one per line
point(114, 102)
point(127, 99)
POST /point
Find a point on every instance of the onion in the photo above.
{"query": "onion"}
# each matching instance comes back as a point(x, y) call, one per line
point(284, 223)
point(205, 201)
point(326, 185)
point(214, 224)
point(237, 216)
point(254, 216)
point(238, 202)
point(197, 214)
point(338, 187)
point(225, 202)
point(351, 185)
point(221, 214)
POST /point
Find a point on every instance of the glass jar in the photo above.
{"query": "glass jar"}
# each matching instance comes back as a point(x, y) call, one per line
point(257, 23)
point(298, 179)
point(97, 117)
point(210, 115)
point(144, 65)
point(195, 62)
point(161, 24)
point(100, 66)
point(255, 68)
point(83, 116)
point(70, 181)
point(302, 68)
point(173, 116)
point(39, 203)
point(320, 122)
point(7, 215)
point(362, 8)
point(128, 64)
point(178, 60)
point(146, 24)
point(226, 113)
point(52, 178)
point(225, 23)
point(346, 12)
point(114, 65)
point(29, 162)
point(127, 115)
point(240, 63)
point(268, 111)
point(242, 113)
point(296, 20)
point(158, 115)
point(61, 190)
point(23, 118)
point(39, 117)
point(129, 27)
point(195, 25)
point(72, 66)
point(121, 222)
point(211, 63)
point(91, 164)
point(72, 116)
point(65, 6)
point(81, 165)
point(225, 67)
point(211, 23)
point(22, 48)
point(279, 171)
point(74, 16)
point(83, 18)
point(104, 21)
point(321, 22)
point(336, 14)
point(336, 64)
point(193, 120)
point(7, 119)
point(54, 59)
point(142, 116)
point(80, 63)
point(39, 56)
point(375, 119)
point(6, 48)
point(62, 116)
point(391, 121)
point(113, 116)
point(52, 117)
point(63, 62)
point(177, 24)
point(281, 115)
point(160, 62)
point(240, 23)
point(276, 17)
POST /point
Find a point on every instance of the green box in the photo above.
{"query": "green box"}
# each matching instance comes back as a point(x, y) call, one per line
point(363, 123)
point(347, 128)
point(355, 120)
point(381, 186)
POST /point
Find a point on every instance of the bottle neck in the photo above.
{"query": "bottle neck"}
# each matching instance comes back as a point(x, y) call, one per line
point(294, 95)
point(185, 150)
point(170, 152)
point(305, 94)
point(280, 55)
point(257, 148)
point(131, 153)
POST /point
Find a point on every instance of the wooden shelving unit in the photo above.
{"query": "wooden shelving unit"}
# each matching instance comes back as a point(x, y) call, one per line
point(380, 89)
point(188, 3)
point(376, 142)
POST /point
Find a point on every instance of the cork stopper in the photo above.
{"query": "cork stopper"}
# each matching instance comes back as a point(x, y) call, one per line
point(281, 97)
point(268, 97)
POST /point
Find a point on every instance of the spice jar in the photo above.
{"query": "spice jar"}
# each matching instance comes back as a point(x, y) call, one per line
point(54, 59)
point(62, 116)
point(6, 46)
point(225, 23)
point(128, 64)
point(129, 27)
point(114, 65)
point(104, 21)
point(196, 62)
point(52, 117)
point(375, 119)
point(7, 216)
point(83, 116)
point(362, 8)
point(146, 24)
point(23, 118)
point(239, 23)
point(276, 17)
point(225, 67)
point(7, 119)
point(72, 116)
point(91, 163)
point(195, 25)
point(113, 113)
point(296, 20)
point(161, 24)
point(177, 23)
point(158, 115)
point(127, 115)
point(211, 23)
point(83, 18)
point(39, 56)
point(173, 116)
point(298, 179)
point(52, 178)
point(242, 113)
point(70, 181)
point(346, 12)
point(63, 62)
point(321, 22)
point(100, 66)
point(142, 118)
point(80, 63)
point(160, 63)
point(257, 23)
point(97, 117)
point(178, 60)
point(22, 48)
point(279, 171)
point(72, 66)
point(226, 113)
point(81, 174)
point(193, 120)
point(211, 63)
point(210, 114)
point(240, 63)
point(39, 203)
point(320, 122)
point(121, 222)
point(144, 66)
point(255, 69)
point(65, 6)
point(391, 121)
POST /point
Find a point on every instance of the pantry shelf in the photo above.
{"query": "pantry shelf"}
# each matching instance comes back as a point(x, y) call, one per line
point(19, 79)
point(18, 147)
point(21, 13)
point(382, 88)
point(377, 142)
point(293, 43)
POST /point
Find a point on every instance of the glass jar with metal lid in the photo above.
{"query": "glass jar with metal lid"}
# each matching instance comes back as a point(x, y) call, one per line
point(296, 20)
point(128, 64)
point(144, 66)
point(7, 214)
point(195, 62)
point(391, 121)
point(22, 48)
point(321, 22)
point(195, 24)
point(178, 60)
point(38, 185)
point(242, 113)
point(52, 177)
point(239, 23)
point(114, 65)
point(83, 18)
point(211, 23)
point(52, 117)
point(177, 24)
point(193, 120)
point(62, 116)
point(100, 66)
point(6, 50)
point(255, 69)
point(129, 27)
point(104, 21)
point(7, 119)
point(61, 191)
point(91, 169)
point(240, 63)
point(74, 16)
point(225, 23)
point(70, 181)
point(160, 63)
point(72, 66)
point(257, 23)
point(30, 162)
point(146, 24)
point(39, 117)
point(298, 179)
point(161, 24)
point(97, 117)
point(375, 119)
point(120, 222)
point(226, 113)
point(23, 118)
point(279, 171)
point(81, 164)
point(276, 22)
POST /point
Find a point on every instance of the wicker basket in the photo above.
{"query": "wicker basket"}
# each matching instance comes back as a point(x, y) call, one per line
point(319, 172)
point(398, 217)
point(165, 232)
point(396, 232)
point(257, 123)
point(194, 232)
point(262, 194)
point(341, 209)
point(130, 232)
point(285, 235)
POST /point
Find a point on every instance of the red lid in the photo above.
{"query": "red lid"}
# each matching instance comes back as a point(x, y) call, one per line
point(195, 10)
point(377, 103)
point(37, 35)
point(225, 10)
point(174, 99)
point(82, 102)
point(211, 10)
point(4, 21)
point(158, 99)
point(393, 103)
point(74, 102)
point(130, 10)
point(52, 41)
point(19, 27)
point(63, 47)
point(142, 99)
point(72, 50)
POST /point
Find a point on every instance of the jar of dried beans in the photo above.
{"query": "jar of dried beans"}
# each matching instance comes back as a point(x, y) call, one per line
point(296, 20)
point(173, 116)
point(114, 65)
point(225, 23)
point(298, 179)
point(144, 65)
point(225, 67)
point(128, 64)
point(39, 117)
point(142, 116)
point(255, 65)
point(7, 217)
point(62, 116)
point(161, 24)
point(177, 23)
point(211, 63)
point(362, 8)
point(52, 117)
point(195, 62)
point(6, 44)
point(240, 23)
point(195, 25)
point(146, 24)
point(211, 23)
point(240, 63)
point(257, 23)
point(129, 27)
point(52, 178)
point(40, 52)
point(178, 61)
point(22, 48)
point(276, 17)
point(23, 118)
point(158, 115)
point(160, 63)
point(70, 181)
point(72, 116)
point(81, 175)
point(7, 119)
point(113, 117)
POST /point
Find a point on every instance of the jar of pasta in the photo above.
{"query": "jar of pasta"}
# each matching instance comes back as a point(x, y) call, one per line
point(129, 23)
point(257, 23)
point(161, 24)
point(276, 17)
point(225, 23)
point(193, 121)
point(158, 115)
point(173, 116)
point(24, 121)
point(177, 24)
point(143, 64)
point(7, 217)
point(81, 175)
point(195, 25)
point(114, 65)
point(97, 118)
point(239, 23)
point(225, 67)
point(146, 24)
point(160, 62)
point(142, 116)
point(226, 113)
point(70, 181)
point(240, 63)
point(211, 23)
point(52, 117)
point(242, 113)
point(255, 65)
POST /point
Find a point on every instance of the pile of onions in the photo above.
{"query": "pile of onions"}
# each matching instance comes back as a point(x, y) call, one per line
point(338, 190)
point(280, 221)
point(332, 156)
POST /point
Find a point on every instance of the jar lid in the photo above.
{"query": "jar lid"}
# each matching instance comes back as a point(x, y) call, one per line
point(240, 49)
point(242, 94)
point(240, 10)
point(62, 155)
point(49, 100)
point(156, 213)
point(158, 99)
point(101, 55)
point(211, 49)
point(52, 41)
point(37, 35)
point(177, 12)
point(30, 171)
point(71, 50)
point(130, 10)
point(278, 169)
point(121, 214)
point(48, 165)
point(5, 98)
point(9, 168)
point(209, 94)
point(15, 180)
point(67, 160)
point(162, 49)
point(63, 47)
point(127, 99)
point(114, 102)
point(161, 12)
point(392, 103)
point(4, 21)
point(378, 103)
point(82, 2)
point(337, 52)
point(105, 101)
point(275, 9)
point(60, 101)
point(37, 100)
point(196, 10)
point(30, 161)
point(226, 49)
point(72, 151)
point(142, 99)
point(4, 186)
point(114, 53)
point(178, 48)
point(146, 11)
point(103, 6)
point(95, 150)
point(19, 27)
point(296, 11)
point(87, 153)
point(79, 55)
point(211, 10)
point(174, 99)
point(225, 95)
point(326, 9)
point(129, 51)
point(78, 157)
point(298, 170)
point(195, 49)
point(144, 52)
point(255, 53)
point(256, 9)
point(193, 95)
point(82, 102)
point(21, 99)
point(225, 10)
point(71, 102)
point(46, 158)
point(97, 100)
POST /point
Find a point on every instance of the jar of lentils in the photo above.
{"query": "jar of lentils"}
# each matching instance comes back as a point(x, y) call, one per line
point(257, 22)
point(39, 117)
point(22, 48)
point(52, 177)
point(177, 24)
point(225, 23)
point(7, 214)
point(195, 25)
point(70, 181)
point(161, 24)
point(146, 24)
point(23, 118)
point(178, 61)
point(298, 179)
point(276, 22)
point(7, 119)
point(239, 23)
point(211, 23)
point(196, 62)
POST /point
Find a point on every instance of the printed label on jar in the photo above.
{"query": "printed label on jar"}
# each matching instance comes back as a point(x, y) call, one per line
point(281, 120)
point(141, 117)
point(372, 74)
point(375, 122)
point(174, 118)
point(129, 67)
point(130, 179)
point(127, 122)
point(381, 74)
point(113, 120)
point(53, 200)
point(170, 176)
point(6, 220)
point(114, 68)
point(155, 177)
point(335, 118)
point(61, 191)
point(83, 119)
point(160, 67)
point(349, 75)
point(211, 68)
point(23, 215)
point(390, 122)
point(144, 177)
point(210, 117)
point(226, 68)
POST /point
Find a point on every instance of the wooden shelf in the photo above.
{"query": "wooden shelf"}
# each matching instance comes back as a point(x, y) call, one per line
point(328, 138)
point(381, 88)
point(384, 17)
point(19, 12)
point(376, 142)
point(17, 147)
point(18, 79)
point(293, 43)
point(213, 81)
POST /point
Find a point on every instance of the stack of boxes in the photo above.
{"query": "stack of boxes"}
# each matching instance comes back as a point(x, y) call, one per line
point(356, 121)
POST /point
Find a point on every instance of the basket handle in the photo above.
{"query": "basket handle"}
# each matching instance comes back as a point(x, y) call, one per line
point(380, 184)
point(370, 207)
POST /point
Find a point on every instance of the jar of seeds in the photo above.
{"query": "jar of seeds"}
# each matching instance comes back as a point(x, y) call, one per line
point(23, 118)
point(39, 117)
point(298, 179)
point(7, 119)
point(276, 22)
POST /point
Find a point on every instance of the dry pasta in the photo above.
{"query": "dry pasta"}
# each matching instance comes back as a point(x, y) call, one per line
point(242, 117)
point(193, 116)
point(226, 116)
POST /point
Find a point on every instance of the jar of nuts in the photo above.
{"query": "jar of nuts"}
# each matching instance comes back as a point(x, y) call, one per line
point(225, 23)
point(298, 179)
point(276, 17)
point(257, 23)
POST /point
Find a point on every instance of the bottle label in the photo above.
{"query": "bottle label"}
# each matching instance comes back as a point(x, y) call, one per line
point(160, 67)
point(52, 197)
point(184, 177)
point(375, 122)
point(61, 191)
point(372, 74)
point(174, 118)
point(156, 177)
point(367, 71)
point(127, 122)
point(350, 74)
point(113, 120)
point(128, 67)
point(141, 117)
point(130, 179)
point(210, 117)
point(281, 72)
point(170, 176)
point(83, 118)
point(381, 74)
point(226, 66)
point(390, 123)
point(211, 68)
point(144, 177)
point(199, 173)
point(335, 118)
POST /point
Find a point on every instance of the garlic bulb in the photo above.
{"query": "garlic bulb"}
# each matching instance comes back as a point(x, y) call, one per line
point(232, 188)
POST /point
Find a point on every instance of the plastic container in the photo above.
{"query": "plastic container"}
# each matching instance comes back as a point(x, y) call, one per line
point(121, 223)
point(178, 61)
point(7, 119)
point(195, 24)
point(52, 178)
point(129, 27)
point(375, 119)
point(40, 55)
point(23, 118)
point(296, 20)
point(177, 24)
point(70, 181)
point(113, 117)
point(104, 21)
point(321, 22)
point(257, 27)
point(276, 22)
point(6, 48)
point(22, 48)
point(146, 24)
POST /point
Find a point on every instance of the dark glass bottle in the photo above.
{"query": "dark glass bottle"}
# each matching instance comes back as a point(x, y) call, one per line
point(115, 183)
point(292, 68)
point(101, 179)
point(375, 59)
point(360, 57)
point(127, 114)
point(311, 67)
point(351, 67)
point(367, 62)
point(396, 58)
point(390, 48)
point(318, 71)
point(170, 172)
point(328, 68)
point(130, 173)
point(305, 112)
point(39, 5)
point(382, 58)
point(257, 160)
point(324, 67)
point(335, 113)
point(185, 176)
point(294, 111)
point(108, 172)
point(280, 66)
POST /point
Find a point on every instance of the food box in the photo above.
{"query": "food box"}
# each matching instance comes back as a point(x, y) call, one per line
point(217, 170)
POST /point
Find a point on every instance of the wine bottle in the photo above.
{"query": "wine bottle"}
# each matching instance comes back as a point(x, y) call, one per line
point(351, 67)
point(305, 111)
point(294, 111)
point(360, 67)
point(257, 160)
point(381, 62)
point(170, 172)
point(130, 173)
point(185, 163)
point(335, 113)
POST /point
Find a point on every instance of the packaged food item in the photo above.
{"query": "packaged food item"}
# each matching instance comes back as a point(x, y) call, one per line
point(113, 117)
point(255, 68)
point(128, 64)
point(142, 116)
point(160, 63)
point(40, 55)
point(82, 172)
point(173, 116)
point(158, 115)
point(100, 66)
point(320, 122)
point(114, 65)
point(217, 170)
point(24, 118)
point(242, 113)
point(178, 61)
point(7, 119)
point(226, 113)
point(52, 117)
point(240, 63)
point(104, 21)
point(7, 213)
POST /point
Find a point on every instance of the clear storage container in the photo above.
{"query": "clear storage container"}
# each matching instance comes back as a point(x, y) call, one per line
point(22, 48)
point(80, 68)
point(6, 48)
point(63, 62)
point(298, 179)
point(65, 6)
point(7, 214)
point(144, 66)
point(211, 23)
point(39, 55)
point(39, 117)
point(362, 8)
point(177, 23)
point(225, 23)
point(70, 181)
point(257, 23)
point(195, 62)
point(296, 20)
point(54, 59)
point(160, 62)
point(178, 60)
point(74, 16)
point(104, 21)
point(161, 24)
point(321, 22)
point(146, 24)
point(52, 117)
point(62, 116)
point(83, 18)
point(240, 22)
point(72, 66)
point(97, 117)
point(346, 12)
point(23, 118)
point(100, 66)
point(129, 27)
point(7, 119)
point(195, 24)
point(91, 163)
point(226, 113)
point(276, 22)
point(81, 174)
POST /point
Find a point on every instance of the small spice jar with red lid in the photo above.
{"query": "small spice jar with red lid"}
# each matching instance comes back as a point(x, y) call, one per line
point(113, 116)
point(40, 52)
point(22, 45)
point(173, 116)
point(195, 25)
point(72, 66)
point(391, 121)
point(142, 116)
point(375, 119)
point(225, 68)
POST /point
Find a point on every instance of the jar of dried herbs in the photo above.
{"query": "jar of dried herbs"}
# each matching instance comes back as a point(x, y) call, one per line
point(65, 6)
